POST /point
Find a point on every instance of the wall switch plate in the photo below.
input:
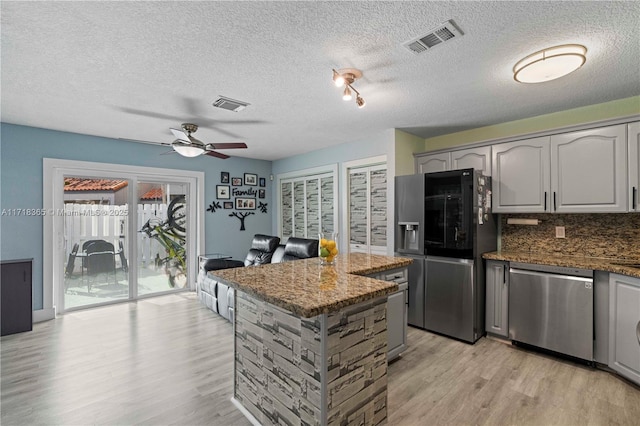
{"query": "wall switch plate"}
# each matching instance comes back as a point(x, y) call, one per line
point(559, 231)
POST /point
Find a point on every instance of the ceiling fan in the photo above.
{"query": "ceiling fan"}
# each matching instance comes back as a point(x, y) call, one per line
point(188, 146)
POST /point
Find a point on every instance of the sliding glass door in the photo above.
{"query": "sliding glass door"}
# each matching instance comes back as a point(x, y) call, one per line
point(162, 239)
point(121, 236)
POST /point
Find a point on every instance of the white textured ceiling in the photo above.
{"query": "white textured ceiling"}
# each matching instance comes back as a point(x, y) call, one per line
point(134, 69)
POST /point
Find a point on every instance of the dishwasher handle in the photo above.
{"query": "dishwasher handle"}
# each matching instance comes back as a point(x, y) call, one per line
point(638, 332)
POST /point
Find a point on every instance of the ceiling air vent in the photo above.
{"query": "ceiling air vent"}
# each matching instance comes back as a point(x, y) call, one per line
point(230, 104)
point(445, 32)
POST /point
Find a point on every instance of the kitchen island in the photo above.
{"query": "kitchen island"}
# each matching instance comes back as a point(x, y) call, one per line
point(311, 341)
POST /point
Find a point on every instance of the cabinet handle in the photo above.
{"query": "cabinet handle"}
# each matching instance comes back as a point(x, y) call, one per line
point(638, 332)
point(555, 207)
point(545, 201)
point(504, 275)
point(634, 196)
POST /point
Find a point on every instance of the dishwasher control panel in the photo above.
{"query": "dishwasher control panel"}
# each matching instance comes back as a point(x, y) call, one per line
point(552, 269)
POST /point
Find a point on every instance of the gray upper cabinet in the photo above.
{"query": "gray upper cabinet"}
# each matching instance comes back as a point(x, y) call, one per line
point(577, 172)
point(624, 326)
point(588, 171)
point(521, 173)
point(472, 158)
point(433, 163)
point(633, 135)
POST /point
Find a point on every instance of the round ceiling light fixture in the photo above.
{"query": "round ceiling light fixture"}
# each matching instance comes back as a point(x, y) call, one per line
point(187, 149)
point(549, 64)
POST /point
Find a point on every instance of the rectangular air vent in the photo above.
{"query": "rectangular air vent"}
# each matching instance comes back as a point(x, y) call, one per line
point(230, 104)
point(445, 32)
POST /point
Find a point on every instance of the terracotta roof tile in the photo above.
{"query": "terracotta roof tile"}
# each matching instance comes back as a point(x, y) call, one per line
point(81, 184)
point(153, 194)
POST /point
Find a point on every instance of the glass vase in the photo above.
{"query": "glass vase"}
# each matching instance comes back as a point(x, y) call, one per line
point(328, 247)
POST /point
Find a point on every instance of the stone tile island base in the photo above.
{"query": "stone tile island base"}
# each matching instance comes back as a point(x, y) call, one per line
point(330, 369)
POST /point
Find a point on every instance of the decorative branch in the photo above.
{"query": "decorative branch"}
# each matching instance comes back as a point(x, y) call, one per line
point(242, 217)
point(213, 206)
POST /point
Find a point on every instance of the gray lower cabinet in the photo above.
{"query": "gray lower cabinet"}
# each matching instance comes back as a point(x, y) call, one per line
point(497, 298)
point(633, 137)
point(396, 311)
point(624, 326)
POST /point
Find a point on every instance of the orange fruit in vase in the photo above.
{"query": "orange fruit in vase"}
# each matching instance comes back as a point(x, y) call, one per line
point(323, 242)
point(331, 244)
point(333, 251)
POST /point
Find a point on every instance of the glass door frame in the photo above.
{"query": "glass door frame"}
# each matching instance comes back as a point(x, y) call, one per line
point(54, 171)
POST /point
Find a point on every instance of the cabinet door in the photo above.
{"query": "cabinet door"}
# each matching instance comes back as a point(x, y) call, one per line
point(633, 136)
point(473, 158)
point(520, 176)
point(624, 326)
point(396, 323)
point(433, 163)
point(497, 300)
point(15, 297)
point(588, 171)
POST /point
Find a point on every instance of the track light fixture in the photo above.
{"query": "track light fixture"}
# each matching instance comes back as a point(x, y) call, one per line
point(345, 78)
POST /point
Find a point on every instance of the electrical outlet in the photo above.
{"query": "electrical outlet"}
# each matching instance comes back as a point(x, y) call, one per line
point(559, 231)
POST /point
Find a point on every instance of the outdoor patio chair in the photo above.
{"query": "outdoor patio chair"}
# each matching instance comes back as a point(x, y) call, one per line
point(100, 259)
point(68, 271)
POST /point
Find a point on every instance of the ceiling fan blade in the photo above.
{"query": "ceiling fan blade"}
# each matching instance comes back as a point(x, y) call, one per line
point(179, 134)
point(227, 145)
point(169, 152)
point(217, 154)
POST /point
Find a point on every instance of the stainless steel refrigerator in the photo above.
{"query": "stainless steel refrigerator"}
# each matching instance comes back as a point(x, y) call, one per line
point(444, 222)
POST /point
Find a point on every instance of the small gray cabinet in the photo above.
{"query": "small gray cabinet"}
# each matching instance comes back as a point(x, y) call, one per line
point(624, 326)
point(433, 163)
point(633, 136)
point(497, 298)
point(396, 311)
point(473, 158)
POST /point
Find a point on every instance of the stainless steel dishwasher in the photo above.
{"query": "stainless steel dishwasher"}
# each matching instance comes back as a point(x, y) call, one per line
point(552, 307)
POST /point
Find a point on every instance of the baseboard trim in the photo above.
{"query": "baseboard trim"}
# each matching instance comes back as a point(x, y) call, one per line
point(246, 412)
point(42, 315)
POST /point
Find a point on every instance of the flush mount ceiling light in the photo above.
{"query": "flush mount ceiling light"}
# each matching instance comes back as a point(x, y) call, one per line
point(549, 64)
point(345, 78)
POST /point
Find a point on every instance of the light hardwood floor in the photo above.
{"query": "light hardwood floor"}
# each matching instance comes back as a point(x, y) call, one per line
point(168, 360)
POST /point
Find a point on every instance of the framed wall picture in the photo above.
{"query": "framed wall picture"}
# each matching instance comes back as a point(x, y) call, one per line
point(263, 182)
point(261, 193)
point(236, 181)
point(224, 177)
point(228, 204)
point(245, 203)
point(250, 179)
point(223, 192)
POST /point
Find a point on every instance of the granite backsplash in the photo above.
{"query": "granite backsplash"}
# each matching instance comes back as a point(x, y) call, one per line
point(592, 235)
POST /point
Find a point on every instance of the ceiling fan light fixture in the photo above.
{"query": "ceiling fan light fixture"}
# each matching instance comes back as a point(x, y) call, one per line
point(360, 102)
point(550, 63)
point(187, 150)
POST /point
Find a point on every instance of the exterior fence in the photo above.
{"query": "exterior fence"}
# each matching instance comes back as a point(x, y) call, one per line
point(84, 222)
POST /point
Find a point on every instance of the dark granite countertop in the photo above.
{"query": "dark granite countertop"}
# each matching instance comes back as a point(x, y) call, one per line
point(618, 266)
point(307, 288)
